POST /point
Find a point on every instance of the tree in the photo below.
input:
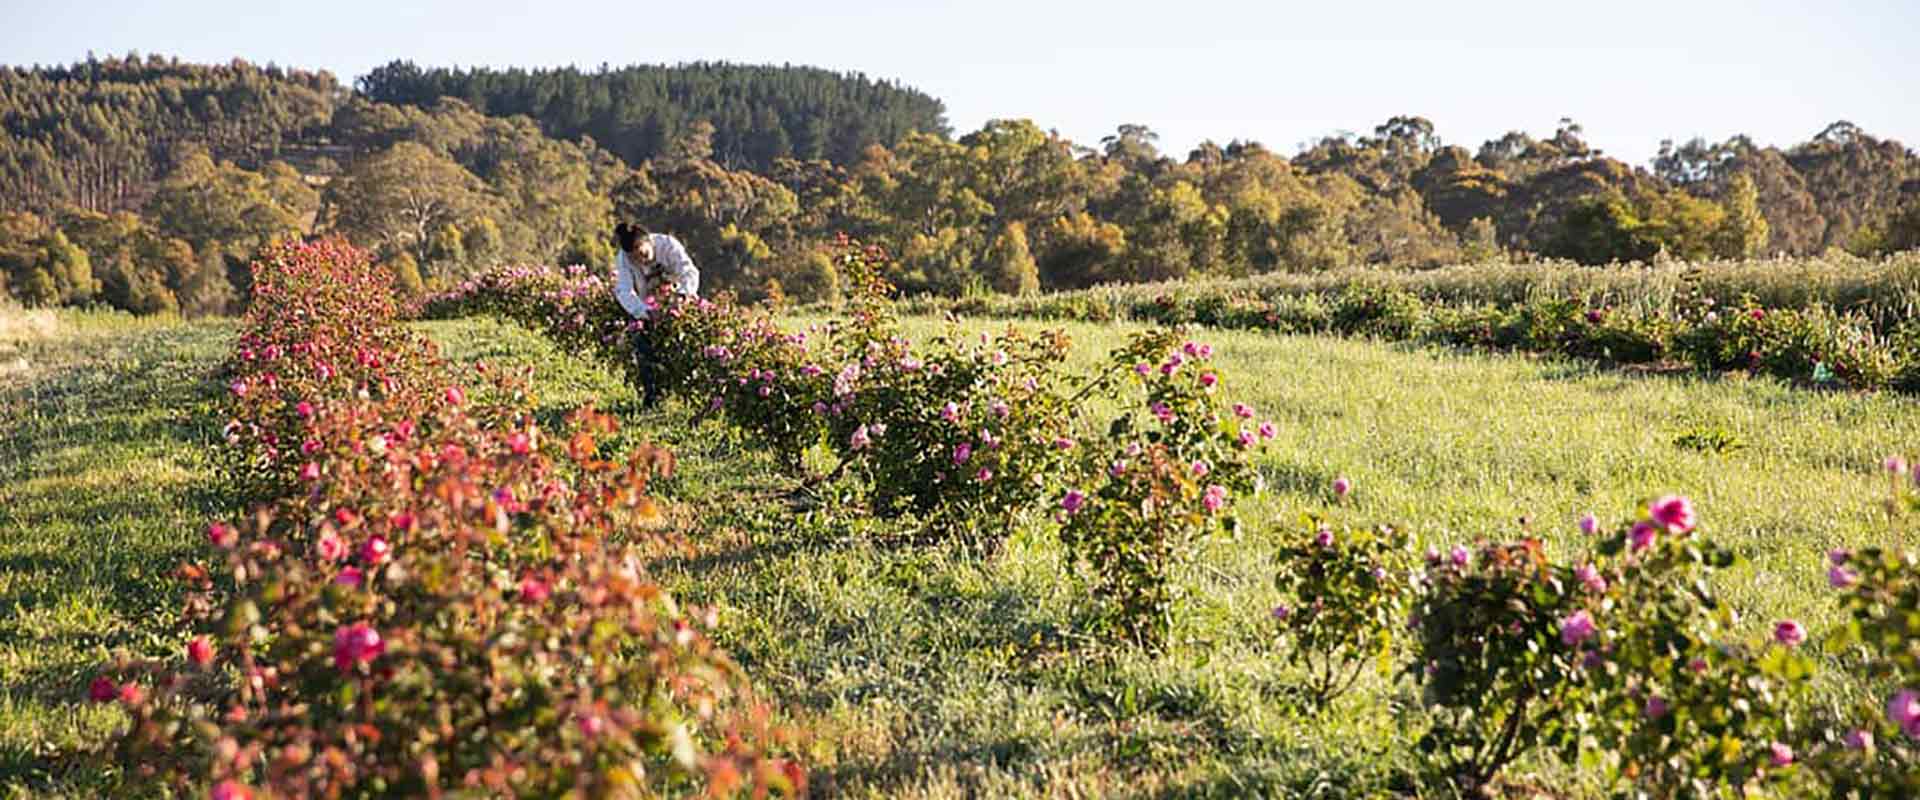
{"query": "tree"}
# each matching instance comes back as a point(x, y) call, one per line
point(395, 200)
point(1010, 265)
point(1743, 232)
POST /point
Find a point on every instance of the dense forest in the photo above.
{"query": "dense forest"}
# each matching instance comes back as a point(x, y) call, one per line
point(146, 184)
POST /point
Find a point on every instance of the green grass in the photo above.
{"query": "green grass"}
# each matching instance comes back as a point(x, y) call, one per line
point(104, 486)
point(934, 671)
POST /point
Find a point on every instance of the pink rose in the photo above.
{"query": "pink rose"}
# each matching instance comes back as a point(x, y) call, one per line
point(200, 651)
point(356, 644)
point(1673, 512)
point(1577, 628)
point(1789, 633)
point(1073, 502)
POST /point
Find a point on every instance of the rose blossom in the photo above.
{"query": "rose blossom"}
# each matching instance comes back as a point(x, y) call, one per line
point(534, 591)
point(375, 550)
point(1841, 577)
point(1779, 755)
point(1243, 411)
point(1323, 538)
point(1673, 512)
point(222, 535)
point(962, 452)
point(200, 651)
point(1590, 578)
point(356, 644)
point(1073, 501)
point(1341, 486)
point(1215, 497)
point(1201, 468)
point(1589, 524)
point(330, 547)
point(1643, 535)
point(1460, 555)
point(1576, 628)
point(1789, 633)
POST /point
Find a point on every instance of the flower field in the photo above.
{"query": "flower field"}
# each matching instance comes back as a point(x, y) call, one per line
point(1110, 560)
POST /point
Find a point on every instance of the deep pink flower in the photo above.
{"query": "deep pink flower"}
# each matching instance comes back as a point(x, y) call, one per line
point(222, 535)
point(591, 726)
point(230, 790)
point(1142, 368)
point(1895, 465)
point(131, 694)
point(239, 388)
point(983, 475)
point(1839, 556)
point(1673, 512)
point(1860, 739)
point(1779, 755)
point(311, 446)
point(1201, 468)
point(1643, 535)
point(103, 690)
point(200, 651)
point(534, 591)
point(310, 472)
point(950, 412)
point(1000, 409)
point(1063, 443)
point(1268, 431)
point(1460, 555)
point(455, 396)
point(1589, 524)
point(1576, 628)
point(304, 409)
point(356, 644)
point(375, 550)
point(1162, 411)
point(1074, 500)
point(1697, 665)
point(1281, 613)
point(962, 452)
point(1323, 538)
point(1118, 469)
point(1246, 438)
point(1341, 486)
point(1243, 411)
point(1789, 633)
point(350, 577)
point(520, 443)
point(1208, 379)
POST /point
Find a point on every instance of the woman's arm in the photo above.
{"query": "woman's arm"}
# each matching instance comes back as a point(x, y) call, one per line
point(623, 288)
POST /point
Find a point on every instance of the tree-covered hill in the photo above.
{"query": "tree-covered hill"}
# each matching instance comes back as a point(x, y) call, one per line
point(759, 113)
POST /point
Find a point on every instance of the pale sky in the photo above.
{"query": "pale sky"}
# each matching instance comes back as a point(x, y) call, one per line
point(1632, 72)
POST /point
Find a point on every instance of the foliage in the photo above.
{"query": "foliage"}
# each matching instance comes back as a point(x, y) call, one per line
point(1345, 594)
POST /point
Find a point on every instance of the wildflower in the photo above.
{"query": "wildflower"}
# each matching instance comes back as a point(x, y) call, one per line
point(1341, 486)
point(1162, 411)
point(1589, 524)
point(222, 535)
point(1697, 666)
point(591, 725)
point(1268, 431)
point(1142, 368)
point(1673, 512)
point(200, 651)
point(1215, 498)
point(1576, 628)
point(356, 644)
point(999, 358)
point(1789, 633)
point(1000, 409)
point(1073, 501)
point(239, 388)
point(311, 446)
point(1839, 556)
point(1246, 438)
point(983, 475)
point(1118, 469)
point(1208, 379)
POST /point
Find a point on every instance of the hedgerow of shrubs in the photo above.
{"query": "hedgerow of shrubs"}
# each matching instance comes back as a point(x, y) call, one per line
point(435, 595)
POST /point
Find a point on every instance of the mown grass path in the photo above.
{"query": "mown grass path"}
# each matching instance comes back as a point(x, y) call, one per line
point(105, 482)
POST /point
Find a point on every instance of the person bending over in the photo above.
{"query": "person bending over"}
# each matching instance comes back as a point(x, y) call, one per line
point(646, 263)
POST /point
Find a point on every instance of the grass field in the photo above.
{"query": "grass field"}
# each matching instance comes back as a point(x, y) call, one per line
point(932, 671)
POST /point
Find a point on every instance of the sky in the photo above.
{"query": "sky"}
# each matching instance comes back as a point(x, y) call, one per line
point(1630, 72)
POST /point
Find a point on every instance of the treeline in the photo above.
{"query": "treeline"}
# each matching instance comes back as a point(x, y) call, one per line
point(146, 184)
point(759, 113)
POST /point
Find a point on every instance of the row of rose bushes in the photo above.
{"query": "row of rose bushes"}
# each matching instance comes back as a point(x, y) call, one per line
point(1619, 657)
point(1814, 344)
point(960, 433)
point(1622, 659)
point(433, 594)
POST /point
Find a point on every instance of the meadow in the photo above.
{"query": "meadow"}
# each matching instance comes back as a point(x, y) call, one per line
point(944, 670)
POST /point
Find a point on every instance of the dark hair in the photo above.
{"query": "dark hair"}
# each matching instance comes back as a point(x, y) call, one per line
point(626, 235)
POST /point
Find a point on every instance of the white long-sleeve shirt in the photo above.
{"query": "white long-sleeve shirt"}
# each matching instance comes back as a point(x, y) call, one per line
point(634, 283)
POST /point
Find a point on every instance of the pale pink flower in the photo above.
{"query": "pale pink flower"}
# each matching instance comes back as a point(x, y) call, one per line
point(330, 547)
point(1281, 613)
point(1246, 438)
point(1201, 468)
point(1215, 498)
point(1063, 443)
point(1141, 368)
point(1841, 577)
point(1162, 411)
point(1860, 739)
point(1000, 409)
point(1839, 556)
point(1895, 465)
point(950, 412)
point(1590, 577)
point(310, 472)
point(1903, 708)
point(534, 591)
point(455, 396)
point(859, 440)
point(983, 475)
point(1779, 755)
point(591, 726)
